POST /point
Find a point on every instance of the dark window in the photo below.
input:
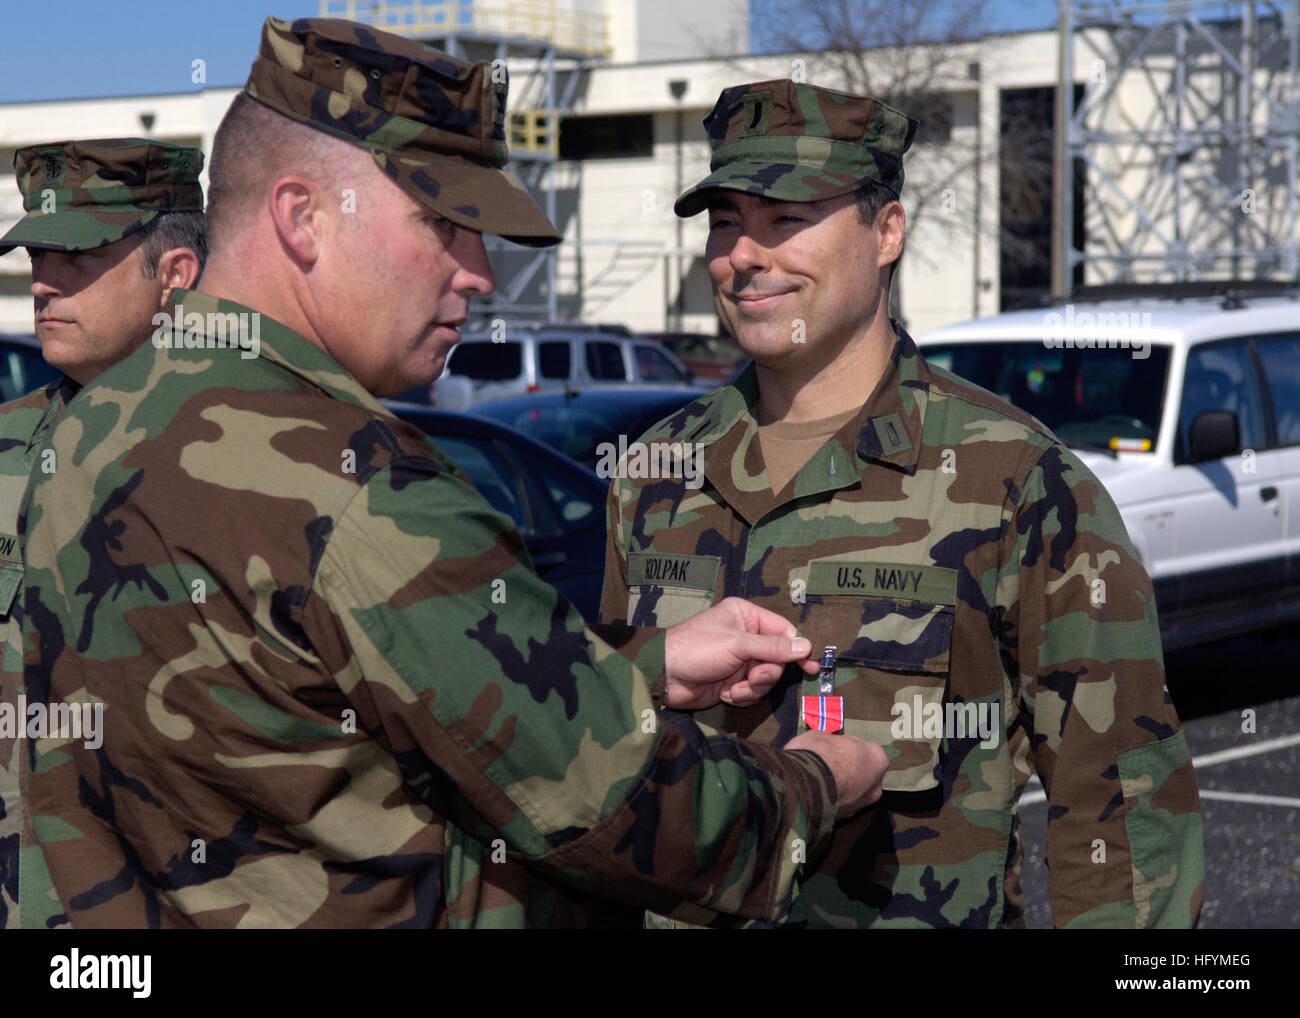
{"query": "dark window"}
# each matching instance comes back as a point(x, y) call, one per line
point(1220, 378)
point(491, 474)
point(487, 362)
point(1027, 118)
point(618, 137)
point(553, 360)
point(570, 503)
point(653, 366)
point(605, 362)
point(1281, 357)
point(22, 369)
point(934, 111)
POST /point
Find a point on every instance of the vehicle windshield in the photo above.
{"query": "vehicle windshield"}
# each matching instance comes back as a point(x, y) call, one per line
point(22, 369)
point(1092, 398)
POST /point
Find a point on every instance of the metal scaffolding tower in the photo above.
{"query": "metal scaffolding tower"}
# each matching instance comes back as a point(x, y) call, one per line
point(1186, 140)
point(545, 47)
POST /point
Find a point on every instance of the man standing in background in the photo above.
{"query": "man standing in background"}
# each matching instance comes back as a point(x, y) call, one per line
point(112, 227)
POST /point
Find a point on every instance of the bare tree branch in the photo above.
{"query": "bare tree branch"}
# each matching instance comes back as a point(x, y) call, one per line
point(917, 57)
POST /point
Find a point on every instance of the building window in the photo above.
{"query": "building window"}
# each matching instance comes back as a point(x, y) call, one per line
point(934, 110)
point(620, 137)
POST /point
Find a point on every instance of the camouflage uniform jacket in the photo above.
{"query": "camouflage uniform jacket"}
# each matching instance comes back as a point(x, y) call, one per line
point(325, 663)
point(24, 427)
point(968, 567)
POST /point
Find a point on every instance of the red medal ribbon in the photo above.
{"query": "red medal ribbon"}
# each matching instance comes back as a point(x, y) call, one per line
point(823, 713)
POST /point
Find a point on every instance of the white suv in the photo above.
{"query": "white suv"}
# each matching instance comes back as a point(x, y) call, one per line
point(1188, 410)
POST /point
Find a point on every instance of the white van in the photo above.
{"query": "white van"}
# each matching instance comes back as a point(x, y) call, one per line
point(1188, 410)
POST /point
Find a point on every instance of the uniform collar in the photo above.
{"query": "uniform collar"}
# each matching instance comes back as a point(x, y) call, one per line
point(57, 394)
point(892, 420)
point(280, 345)
point(887, 430)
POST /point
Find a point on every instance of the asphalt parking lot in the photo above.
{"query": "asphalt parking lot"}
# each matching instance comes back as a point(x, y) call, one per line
point(1249, 781)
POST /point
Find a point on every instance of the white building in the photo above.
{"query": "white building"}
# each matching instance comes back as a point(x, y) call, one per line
point(661, 60)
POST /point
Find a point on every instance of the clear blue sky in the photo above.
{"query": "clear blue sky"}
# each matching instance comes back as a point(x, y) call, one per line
point(73, 49)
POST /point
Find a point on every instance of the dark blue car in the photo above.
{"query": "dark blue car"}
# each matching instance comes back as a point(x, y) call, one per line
point(558, 506)
point(22, 368)
point(577, 423)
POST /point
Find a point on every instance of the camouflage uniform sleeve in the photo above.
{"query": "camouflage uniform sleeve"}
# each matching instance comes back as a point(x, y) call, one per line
point(1124, 841)
point(614, 592)
point(510, 716)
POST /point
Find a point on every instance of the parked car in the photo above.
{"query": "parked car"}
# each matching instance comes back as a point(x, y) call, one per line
point(446, 392)
point(569, 328)
point(558, 506)
point(519, 361)
point(708, 357)
point(1188, 410)
point(578, 423)
point(22, 368)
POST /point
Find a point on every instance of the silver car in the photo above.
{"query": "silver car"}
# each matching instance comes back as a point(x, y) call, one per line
point(517, 361)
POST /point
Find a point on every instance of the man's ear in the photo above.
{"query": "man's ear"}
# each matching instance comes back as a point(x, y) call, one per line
point(298, 213)
point(891, 225)
point(178, 267)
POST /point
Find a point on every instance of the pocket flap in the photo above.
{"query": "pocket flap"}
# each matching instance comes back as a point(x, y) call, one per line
point(892, 670)
point(902, 636)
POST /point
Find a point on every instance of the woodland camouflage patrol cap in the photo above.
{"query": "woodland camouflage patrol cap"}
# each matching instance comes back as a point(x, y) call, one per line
point(80, 195)
point(795, 142)
point(435, 124)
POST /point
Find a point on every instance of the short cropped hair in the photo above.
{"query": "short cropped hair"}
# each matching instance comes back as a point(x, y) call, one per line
point(170, 230)
point(871, 198)
point(254, 146)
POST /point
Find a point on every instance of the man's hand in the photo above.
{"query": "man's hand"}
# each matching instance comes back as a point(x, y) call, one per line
point(858, 767)
point(734, 652)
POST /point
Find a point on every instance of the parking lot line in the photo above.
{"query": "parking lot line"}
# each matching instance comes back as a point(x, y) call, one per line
point(1237, 752)
point(1262, 800)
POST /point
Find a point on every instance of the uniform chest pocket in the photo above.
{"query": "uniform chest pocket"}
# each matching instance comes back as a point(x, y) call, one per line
point(892, 671)
point(665, 589)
